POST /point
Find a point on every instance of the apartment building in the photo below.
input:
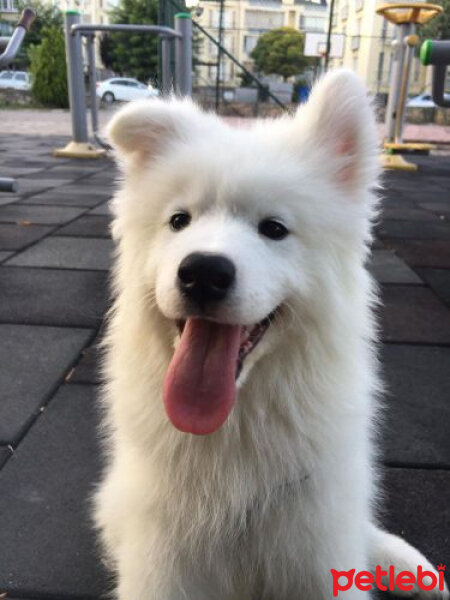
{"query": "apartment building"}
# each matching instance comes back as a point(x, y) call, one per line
point(243, 22)
point(368, 45)
point(8, 16)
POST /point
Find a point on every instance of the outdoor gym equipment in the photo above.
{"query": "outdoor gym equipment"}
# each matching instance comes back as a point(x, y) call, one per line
point(11, 47)
point(405, 15)
point(438, 55)
point(80, 147)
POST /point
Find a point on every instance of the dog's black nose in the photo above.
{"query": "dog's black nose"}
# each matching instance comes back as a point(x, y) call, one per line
point(205, 277)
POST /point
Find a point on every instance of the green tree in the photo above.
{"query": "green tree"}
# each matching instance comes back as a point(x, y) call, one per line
point(280, 52)
point(133, 54)
point(46, 16)
point(48, 68)
point(439, 27)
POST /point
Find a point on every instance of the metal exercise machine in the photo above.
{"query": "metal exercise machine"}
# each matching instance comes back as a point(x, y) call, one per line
point(181, 35)
point(437, 54)
point(406, 16)
point(11, 46)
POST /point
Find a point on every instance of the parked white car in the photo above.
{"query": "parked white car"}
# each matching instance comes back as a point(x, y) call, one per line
point(124, 89)
point(423, 100)
point(17, 80)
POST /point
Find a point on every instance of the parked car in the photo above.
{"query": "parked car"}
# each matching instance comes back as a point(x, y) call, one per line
point(124, 89)
point(423, 100)
point(17, 80)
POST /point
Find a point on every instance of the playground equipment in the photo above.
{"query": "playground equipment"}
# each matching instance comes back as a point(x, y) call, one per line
point(406, 16)
point(11, 47)
point(438, 55)
point(80, 147)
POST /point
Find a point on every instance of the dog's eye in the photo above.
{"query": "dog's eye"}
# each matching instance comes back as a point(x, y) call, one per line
point(179, 221)
point(272, 229)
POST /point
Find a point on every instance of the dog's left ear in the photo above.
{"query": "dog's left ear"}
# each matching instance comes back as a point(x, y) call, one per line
point(338, 122)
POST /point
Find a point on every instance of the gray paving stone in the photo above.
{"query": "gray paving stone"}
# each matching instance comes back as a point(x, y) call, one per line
point(4, 255)
point(87, 226)
point(66, 253)
point(14, 236)
point(414, 230)
point(439, 282)
point(101, 209)
point(439, 208)
point(5, 453)
point(34, 361)
point(45, 215)
point(417, 409)
point(87, 370)
point(413, 314)
point(81, 196)
point(47, 545)
point(52, 296)
point(417, 508)
point(387, 267)
point(8, 199)
point(407, 214)
point(422, 253)
point(34, 186)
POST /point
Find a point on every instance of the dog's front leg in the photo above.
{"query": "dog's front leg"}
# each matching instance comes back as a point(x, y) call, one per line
point(388, 550)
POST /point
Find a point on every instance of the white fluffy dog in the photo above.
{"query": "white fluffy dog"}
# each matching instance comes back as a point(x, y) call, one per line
point(243, 315)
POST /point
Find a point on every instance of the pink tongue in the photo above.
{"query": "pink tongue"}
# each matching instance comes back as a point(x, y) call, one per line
point(199, 387)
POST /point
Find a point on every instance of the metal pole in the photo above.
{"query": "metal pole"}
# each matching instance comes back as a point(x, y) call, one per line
point(75, 77)
point(165, 66)
point(330, 28)
point(92, 82)
point(409, 41)
point(183, 54)
point(396, 81)
point(219, 56)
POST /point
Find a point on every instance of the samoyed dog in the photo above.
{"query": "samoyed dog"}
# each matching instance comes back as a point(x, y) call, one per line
point(241, 376)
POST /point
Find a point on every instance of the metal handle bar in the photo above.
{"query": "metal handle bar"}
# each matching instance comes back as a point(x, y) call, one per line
point(437, 54)
point(15, 41)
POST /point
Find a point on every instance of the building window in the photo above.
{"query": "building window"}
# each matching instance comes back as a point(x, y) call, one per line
point(313, 23)
point(227, 20)
point(8, 6)
point(358, 5)
point(259, 19)
point(250, 42)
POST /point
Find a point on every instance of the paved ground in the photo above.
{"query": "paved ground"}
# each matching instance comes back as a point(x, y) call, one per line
point(57, 121)
point(54, 258)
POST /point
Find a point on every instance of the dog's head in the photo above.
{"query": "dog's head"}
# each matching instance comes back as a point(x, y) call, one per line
point(233, 228)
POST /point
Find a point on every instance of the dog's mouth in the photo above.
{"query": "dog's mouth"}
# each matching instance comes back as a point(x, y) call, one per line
point(200, 383)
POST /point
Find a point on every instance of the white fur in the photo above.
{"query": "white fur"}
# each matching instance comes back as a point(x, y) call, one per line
point(284, 491)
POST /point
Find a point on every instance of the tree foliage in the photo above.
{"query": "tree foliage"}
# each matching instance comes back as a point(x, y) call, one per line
point(280, 52)
point(439, 27)
point(132, 54)
point(48, 69)
point(47, 15)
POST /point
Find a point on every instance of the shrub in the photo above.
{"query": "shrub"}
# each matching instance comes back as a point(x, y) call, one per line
point(48, 69)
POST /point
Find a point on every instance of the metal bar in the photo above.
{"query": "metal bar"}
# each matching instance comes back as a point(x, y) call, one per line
point(8, 185)
point(396, 80)
point(183, 54)
point(166, 83)
point(438, 93)
point(15, 41)
point(75, 77)
point(92, 82)
point(330, 27)
point(219, 56)
point(86, 29)
point(403, 91)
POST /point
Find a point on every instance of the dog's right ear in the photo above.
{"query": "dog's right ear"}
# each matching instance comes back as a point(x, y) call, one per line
point(144, 129)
